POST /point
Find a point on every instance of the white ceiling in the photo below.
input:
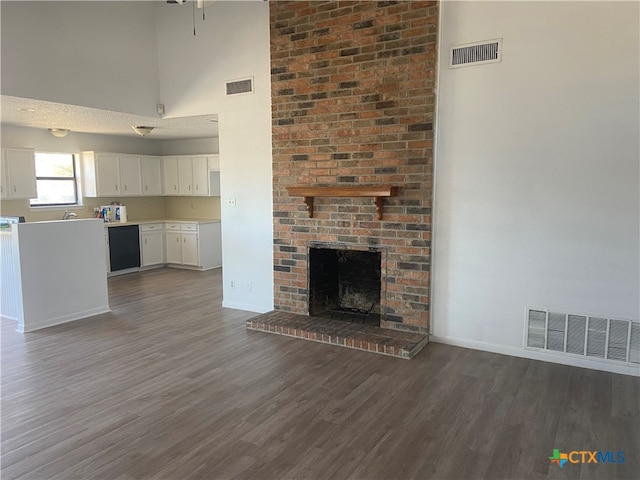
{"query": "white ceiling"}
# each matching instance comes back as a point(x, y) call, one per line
point(26, 112)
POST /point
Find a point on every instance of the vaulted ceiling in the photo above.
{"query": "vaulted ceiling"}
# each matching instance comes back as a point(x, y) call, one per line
point(93, 67)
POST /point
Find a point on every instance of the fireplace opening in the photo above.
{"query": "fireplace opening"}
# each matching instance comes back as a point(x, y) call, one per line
point(345, 284)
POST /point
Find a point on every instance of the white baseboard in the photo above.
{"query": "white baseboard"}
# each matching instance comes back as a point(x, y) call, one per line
point(542, 356)
point(50, 322)
point(247, 306)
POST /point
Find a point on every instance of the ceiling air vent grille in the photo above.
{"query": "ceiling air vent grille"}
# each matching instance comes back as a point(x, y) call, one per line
point(236, 87)
point(602, 338)
point(479, 53)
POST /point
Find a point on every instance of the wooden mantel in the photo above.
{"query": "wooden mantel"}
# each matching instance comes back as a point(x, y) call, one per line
point(375, 191)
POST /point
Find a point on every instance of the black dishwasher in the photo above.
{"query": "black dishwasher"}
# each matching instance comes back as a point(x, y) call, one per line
point(124, 247)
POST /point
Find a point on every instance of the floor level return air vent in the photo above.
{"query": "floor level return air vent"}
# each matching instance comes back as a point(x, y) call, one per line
point(595, 337)
point(479, 53)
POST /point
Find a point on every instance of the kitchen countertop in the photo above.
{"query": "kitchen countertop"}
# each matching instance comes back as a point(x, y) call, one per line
point(199, 221)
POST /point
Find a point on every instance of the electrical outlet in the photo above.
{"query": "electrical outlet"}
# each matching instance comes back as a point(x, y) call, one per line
point(232, 283)
point(232, 202)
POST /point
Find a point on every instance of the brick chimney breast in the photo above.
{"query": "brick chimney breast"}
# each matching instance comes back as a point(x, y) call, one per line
point(353, 103)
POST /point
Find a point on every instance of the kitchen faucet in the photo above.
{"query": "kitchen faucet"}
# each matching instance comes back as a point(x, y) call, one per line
point(67, 215)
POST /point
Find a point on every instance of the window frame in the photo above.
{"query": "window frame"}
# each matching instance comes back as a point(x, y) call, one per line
point(75, 178)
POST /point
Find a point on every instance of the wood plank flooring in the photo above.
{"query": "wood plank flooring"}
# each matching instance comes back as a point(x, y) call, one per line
point(172, 386)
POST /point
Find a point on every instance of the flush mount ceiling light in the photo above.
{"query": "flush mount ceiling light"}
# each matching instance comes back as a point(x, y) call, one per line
point(142, 130)
point(59, 132)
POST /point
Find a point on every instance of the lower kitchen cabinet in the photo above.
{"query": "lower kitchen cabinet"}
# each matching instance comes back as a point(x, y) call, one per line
point(189, 245)
point(151, 244)
point(193, 245)
point(173, 247)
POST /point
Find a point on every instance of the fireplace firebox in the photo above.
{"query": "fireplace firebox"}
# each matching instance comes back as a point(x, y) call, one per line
point(345, 284)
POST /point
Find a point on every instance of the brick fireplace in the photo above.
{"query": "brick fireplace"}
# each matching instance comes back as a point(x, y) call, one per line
point(353, 104)
point(346, 283)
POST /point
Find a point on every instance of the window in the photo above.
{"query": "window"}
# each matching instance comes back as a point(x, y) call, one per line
point(55, 180)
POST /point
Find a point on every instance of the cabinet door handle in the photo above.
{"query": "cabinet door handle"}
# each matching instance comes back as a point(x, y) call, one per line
point(146, 188)
point(196, 187)
point(125, 188)
point(116, 187)
point(184, 239)
point(189, 187)
point(175, 187)
point(145, 241)
point(178, 239)
point(14, 188)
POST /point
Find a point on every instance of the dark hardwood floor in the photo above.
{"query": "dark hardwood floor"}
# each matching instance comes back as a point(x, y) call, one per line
point(171, 386)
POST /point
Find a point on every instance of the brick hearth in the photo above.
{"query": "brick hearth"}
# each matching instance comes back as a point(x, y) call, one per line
point(353, 91)
point(341, 333)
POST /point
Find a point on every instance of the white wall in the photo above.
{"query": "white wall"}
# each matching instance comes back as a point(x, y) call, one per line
point(63, 276)
point(108, 59)
point(233, 42)
point(193, 69)
point(95, 54)
point(193, 146)
point(247, 228)
point(537, 169)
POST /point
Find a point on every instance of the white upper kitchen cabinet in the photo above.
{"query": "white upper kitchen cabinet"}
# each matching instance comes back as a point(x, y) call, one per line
point(214, 183)
point(130, 176)
point(200, 168)
point(151, 168)
point(170, 171)
point(101, 174)
point(4, 174)
point(121, 175)
point(185, 176)
point(107, 175)
point(214, 175)
point(214, 162)
point(18, 171)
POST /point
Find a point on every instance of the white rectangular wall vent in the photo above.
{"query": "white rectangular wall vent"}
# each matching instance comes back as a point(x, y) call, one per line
point(478, 53)
point(236, 87)
point(607, 339)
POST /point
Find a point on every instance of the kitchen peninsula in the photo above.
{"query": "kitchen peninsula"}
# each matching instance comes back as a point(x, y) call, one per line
point(52, 272)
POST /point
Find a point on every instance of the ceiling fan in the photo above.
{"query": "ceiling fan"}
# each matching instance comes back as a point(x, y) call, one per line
point(195, 3)
point(200, 3)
